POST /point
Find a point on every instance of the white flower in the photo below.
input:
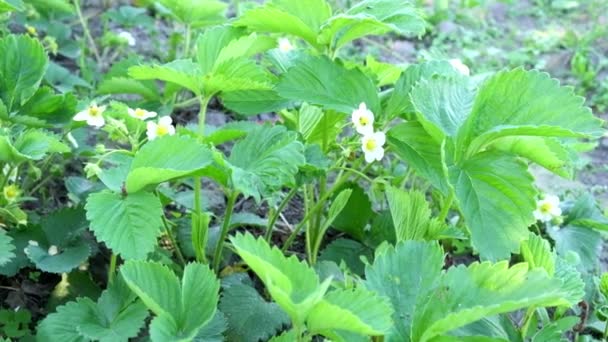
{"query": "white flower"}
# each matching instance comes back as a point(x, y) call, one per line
point(141, 114)
point(164, 127)
point(460, 67)
point(547, 209)
point(128, 37)
point(372, 146)
point(53, 250)
point(285, 45)
point(363, 119)
point(93, 115)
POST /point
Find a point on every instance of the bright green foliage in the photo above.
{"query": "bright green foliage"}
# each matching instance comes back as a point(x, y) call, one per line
point(497, 205)
point(443, 301)
point(403, 274)
point(290, 282)
point(358, 310)
point(250, 318)
point(181, 309)
point(321, 81)
point(127, 224)
point(537, 252)
point(14, 324)
point(63, 229)
point(32, 144)
point(411, 142)
point(6, 248)
point(356, 213)
point(267, 159)
point(372, 17)
point(165, 159)
point(196, 13)
point(11, 5)
point(537, 106)
point(318, 126)
point(20, 239)
point(24, 63)
point(412, 216)
point(299, 18)
point(182, 72)
point(117, 316)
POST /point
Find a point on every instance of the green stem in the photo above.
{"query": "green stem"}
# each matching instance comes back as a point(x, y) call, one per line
point(606, 332)
point(527, 320)
point(187, 41)
point(178, 251)
point(8, 175)
point(277, 212)
point(87, 33)
point(445, 209)
point(217, 257)
point(112, 269)
point(202, 114)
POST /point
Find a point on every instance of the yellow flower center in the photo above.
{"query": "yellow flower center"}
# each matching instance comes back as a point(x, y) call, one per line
point(363, 121)
point(94, 111)
point(370, 145)
point(161, 130)
point(140, 113)
point(31, 30)
point(11, 192)
point(545, 207)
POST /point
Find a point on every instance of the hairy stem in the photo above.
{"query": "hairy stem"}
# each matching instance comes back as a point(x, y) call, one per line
point(112, 268)
point(87, 33)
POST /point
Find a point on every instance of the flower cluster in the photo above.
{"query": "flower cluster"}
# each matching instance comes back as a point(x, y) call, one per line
point(93, 115)
point(371, 142)
point(547, 209)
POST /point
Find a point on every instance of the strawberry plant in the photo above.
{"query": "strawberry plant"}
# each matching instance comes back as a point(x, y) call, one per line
point(332, 199)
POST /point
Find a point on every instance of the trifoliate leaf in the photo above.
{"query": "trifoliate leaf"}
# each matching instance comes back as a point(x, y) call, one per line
point(128, 225)
point(167, 158)
point(537, 252)
point(290, 282)
point(259, 321)
point(404, 274)
point(496, 195)
point(63, 324)
point(182, 309)
point(267, 159)
point(321, 81)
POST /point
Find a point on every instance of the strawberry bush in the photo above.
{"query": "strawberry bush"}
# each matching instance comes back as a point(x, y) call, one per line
point(335, 198)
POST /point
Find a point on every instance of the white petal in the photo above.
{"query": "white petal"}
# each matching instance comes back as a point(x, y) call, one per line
point(53, 250)
point(150, 115)
point(362, 106)
point(555, 211)
point(378, 154)
point(171, 130)
point(101, 109)
point(365, 130)
point(96, 121)
point(369, 157)
point(131, 112)
point(380, 138)
point(554, 200)
point(151, 130)
point(165, 120)
point(82, 116)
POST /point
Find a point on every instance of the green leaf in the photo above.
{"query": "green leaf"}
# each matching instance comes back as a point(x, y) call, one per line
point(181, 309)
point(24, 64)
point(267, 159)
point(237, 75)
point(6, 248)
point(299, 18)
point(412, 215)
point(123, 85)
point(546, 152)
point(442, 104)
point(11, 5)
point(318, 126)
point(213, 331)
point(355, 310)
point(253, 102)
point(67, 259)
point(165, 159)
point(320, 81)
point(182, 72)
point(585, 242)
point(467, 294)
point(348, 252)
point(356, 213)
point(21, 238)
point(62, 79)
point(372, 17)
point(496, 195)
point(115, 317)
point(400, 103)
point(420, 151)
point(259, 321)
point(290, 282)
point(404, 274)
point(537, 252)
point(536, 105)
point(197, 13)
point(585, 213)
point(128, 225)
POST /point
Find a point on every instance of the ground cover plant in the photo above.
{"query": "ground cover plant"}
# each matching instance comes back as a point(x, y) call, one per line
point(204, 170)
